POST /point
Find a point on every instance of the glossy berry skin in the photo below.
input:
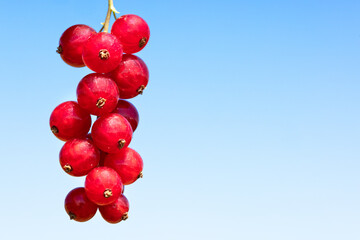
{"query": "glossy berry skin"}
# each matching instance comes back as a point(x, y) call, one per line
point(97, 94)
point(78, 206)
point(79, 156)
point(69, 120)
point(111, 133)
point(117, 211)
point(102, 53)
point(131, 76)
point(72, 42)
point(103, 186)
point(132, 31)
point(127, 163)
point(128, 111)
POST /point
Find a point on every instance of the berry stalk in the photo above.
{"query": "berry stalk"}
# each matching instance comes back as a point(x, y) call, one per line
point(111, 10)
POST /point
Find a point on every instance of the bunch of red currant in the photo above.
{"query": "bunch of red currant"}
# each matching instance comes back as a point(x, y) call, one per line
point(103, 155)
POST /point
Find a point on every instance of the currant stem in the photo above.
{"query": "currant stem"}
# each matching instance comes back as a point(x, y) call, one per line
point(115, 15)
point(111, 9)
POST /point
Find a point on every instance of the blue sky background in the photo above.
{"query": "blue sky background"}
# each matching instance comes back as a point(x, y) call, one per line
point(249, 128)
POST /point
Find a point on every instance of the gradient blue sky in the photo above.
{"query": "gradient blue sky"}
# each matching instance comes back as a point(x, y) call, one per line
point(249, 126)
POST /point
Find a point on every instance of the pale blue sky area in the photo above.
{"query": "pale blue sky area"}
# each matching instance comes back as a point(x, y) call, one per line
point(249, 128)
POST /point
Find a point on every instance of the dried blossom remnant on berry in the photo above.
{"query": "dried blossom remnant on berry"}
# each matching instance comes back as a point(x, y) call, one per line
point(54, 130)
point(107, 193)
point(121, 143)
point(100, 102)
point(59, 49)
point(68, 168)
point(72, 216)
point(142, 42)
point(141, 175)
point(141, 89)
point(125, 216)
point(104, 54)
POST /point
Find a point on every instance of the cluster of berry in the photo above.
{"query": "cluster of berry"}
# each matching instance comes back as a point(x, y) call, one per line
point(103, 155)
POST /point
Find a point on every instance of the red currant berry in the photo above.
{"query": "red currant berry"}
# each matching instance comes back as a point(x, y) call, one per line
point(69, 120)
point(102, 53)
point(132, 31)
point(71, 44)
point(78, 206)
point(127, 163)
point(97, 94)
point(131, 76)
point(102, 154)
point(128, 111)
point(111, 133)
point(79, 156)
point(117, 211)
point(103, 186)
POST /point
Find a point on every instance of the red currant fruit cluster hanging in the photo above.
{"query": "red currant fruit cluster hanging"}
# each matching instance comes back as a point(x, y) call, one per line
point(103, 155)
